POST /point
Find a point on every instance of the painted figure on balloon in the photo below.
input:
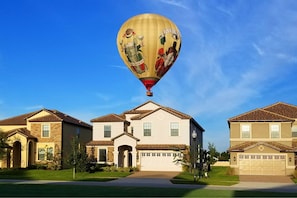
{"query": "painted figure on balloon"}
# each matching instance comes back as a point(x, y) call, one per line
point(165, 60)
point(131, 44)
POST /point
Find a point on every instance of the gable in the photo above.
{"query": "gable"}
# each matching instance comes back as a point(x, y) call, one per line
point(283, 109)
point(147, 106)
point(260, 115)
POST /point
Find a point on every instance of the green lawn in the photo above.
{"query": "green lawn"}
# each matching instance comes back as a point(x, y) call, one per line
point(66, 175)
point(36, 190)
point(217, 176)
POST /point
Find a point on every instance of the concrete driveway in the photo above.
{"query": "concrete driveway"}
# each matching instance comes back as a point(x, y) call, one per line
point(154, 174)
point(265, 179)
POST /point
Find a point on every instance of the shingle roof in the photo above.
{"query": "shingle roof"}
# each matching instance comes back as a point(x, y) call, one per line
point(284, 109)
point(17, 120)
point(160, 146)
point(275, 145)
point(167, 109)
point(100, 143)
point(24, 131)
point(278, 112)
point(140, 114)
point(260, 115)
point(125, 133)
point(53, 117)
point(109, 118)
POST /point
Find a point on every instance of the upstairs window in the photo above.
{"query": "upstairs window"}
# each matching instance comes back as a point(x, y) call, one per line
point(107, 131)
point(274, 131)
point(174, 128)
point(147, 129)
point(245, 131)
point(45, 130)
point(294, 131)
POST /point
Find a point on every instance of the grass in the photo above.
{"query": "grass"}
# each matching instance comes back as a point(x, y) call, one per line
point(65, 175)
point(38, 190)
point(217, 176)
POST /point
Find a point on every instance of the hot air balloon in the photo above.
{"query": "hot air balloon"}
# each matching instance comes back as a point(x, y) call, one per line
point(149, 45)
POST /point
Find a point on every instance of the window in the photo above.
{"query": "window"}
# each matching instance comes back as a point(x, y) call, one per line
point(147, 127)
point(41, 153)
point(107, 131)
point(102, 155)
point(45, 130)
point(245, 131)
point(294, 131)
point(174, 128)
point(46, 153)
point(274, 131)
point(50, 153)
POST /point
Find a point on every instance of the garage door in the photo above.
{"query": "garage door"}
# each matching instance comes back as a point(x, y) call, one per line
point(251, 164)
point(159, 161)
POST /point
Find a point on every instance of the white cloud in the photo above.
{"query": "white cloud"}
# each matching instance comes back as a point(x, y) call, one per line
point(34, 107)
point(258, 49)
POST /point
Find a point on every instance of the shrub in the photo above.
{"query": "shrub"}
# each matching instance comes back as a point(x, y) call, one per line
point(230, 171)
point(295, 174)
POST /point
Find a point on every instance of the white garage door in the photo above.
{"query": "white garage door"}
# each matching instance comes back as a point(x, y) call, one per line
point(252, 164)
point(159, 161)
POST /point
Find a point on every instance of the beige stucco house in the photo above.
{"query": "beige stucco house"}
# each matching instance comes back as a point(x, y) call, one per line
point(43, 136)
point(149, 136)
point(264, 141)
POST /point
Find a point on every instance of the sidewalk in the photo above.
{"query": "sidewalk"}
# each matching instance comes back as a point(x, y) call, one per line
point(165, 183)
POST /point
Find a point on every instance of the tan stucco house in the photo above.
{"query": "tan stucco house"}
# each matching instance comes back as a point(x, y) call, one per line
point(263, 141)
point(149, 136)
point(42, 136)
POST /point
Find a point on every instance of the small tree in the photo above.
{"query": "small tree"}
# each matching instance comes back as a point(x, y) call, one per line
point(213, 154)
point(78, 157)
point(3, 144)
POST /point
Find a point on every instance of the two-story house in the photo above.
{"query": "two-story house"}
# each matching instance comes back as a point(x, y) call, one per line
point(264, 141)
point(41, 136)
point(149, 137)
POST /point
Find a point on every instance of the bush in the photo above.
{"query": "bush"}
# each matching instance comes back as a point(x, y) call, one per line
point(230, 171)
point(295, 174)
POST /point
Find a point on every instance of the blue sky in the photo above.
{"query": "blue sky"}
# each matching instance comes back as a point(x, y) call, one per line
point(61, 54)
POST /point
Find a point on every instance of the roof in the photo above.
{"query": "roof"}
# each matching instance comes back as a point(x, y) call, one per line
point(160, 146)
point(284, 109)
point(167, 109)
point(140, 114)
point(100, 143)
point(278, 112)
point(125, 133)
point(23, 131)
point(54, 116)
point(17, 120)
point(110, 118)
point(274, 145)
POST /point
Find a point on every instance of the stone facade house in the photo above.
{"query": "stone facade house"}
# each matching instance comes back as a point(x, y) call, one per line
point(263, 141)
point(43, 136)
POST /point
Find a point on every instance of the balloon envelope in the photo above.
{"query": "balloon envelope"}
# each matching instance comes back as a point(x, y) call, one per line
point(149, 45)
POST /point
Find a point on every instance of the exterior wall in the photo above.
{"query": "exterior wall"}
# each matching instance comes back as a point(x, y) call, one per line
point(117, 128)
point(40, 114)
point(69, 132)
point(24, 148)
point(148, 106)
point(260, 131)
point(160, 131)
point(10, 127)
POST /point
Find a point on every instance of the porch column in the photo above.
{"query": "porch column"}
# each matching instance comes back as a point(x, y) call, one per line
point(116, 157)
point(134, 157)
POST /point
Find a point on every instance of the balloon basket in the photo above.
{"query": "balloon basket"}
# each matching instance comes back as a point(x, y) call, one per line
point(149, 93)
